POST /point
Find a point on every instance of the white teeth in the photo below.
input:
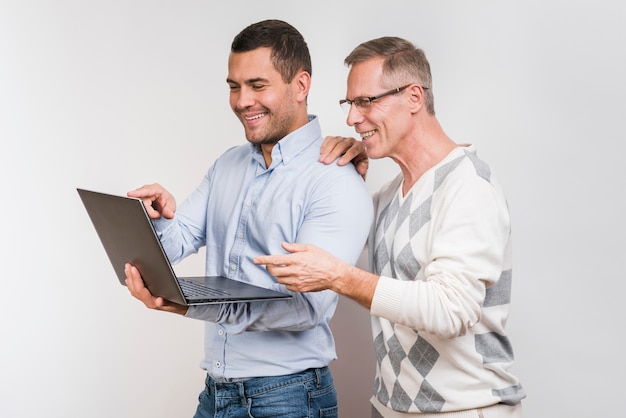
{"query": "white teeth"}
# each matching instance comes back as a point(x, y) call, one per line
point(255, 117)
point(365, 135)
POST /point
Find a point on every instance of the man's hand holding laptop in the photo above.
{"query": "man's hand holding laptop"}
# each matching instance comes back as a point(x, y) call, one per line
point(158, 202)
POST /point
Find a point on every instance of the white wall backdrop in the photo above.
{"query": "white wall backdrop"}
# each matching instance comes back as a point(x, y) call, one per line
point(113, 94)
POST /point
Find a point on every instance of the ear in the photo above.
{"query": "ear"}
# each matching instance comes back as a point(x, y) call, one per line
point(416, 98)
point(302, 82)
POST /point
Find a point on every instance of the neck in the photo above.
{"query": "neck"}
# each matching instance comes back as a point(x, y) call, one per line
point(266, 148)
point(424, 149)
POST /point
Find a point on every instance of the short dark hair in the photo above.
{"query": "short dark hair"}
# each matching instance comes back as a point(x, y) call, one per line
point(403, 63)
point(290, 53)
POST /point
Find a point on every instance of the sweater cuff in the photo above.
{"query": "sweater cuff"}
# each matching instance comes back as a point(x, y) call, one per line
point(387, 297)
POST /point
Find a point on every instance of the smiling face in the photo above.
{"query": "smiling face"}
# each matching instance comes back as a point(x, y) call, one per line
point(383, 125)
point(268, 108)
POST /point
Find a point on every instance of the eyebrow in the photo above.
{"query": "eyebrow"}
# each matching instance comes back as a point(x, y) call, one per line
point(250, 81)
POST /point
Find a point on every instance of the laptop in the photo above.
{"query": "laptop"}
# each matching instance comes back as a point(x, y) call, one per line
point(128, 236)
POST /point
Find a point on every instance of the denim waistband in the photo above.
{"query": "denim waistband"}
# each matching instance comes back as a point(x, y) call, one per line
point(256, 385)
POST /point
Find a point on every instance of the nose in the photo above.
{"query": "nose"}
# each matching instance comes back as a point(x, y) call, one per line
point(354, 115)
point(242, 98)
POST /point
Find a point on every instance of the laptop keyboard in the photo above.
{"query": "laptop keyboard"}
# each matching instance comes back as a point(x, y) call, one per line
point(192, 288)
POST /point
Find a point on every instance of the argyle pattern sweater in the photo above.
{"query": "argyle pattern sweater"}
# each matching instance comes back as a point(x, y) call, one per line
point(441, 305)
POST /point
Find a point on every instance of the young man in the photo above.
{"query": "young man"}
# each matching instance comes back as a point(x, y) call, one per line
point(440, 251)
point(264, 359)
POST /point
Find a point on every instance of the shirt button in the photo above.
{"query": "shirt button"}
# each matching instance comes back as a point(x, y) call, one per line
point(218, 364)
point(220, 332)
point(233, 267)
point(240, 235)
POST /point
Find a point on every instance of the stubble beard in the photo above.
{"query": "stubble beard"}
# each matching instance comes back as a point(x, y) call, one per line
point(273, 130)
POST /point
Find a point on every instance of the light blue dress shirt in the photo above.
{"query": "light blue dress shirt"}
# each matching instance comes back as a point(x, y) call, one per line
point(242, 210)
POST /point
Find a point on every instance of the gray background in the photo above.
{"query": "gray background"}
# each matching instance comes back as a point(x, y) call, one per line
point(113, 94)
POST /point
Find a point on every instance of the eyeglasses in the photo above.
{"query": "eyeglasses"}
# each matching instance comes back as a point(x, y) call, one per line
point(363, 103)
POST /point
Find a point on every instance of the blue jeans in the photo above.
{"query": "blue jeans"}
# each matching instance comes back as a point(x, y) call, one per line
point(307, 394)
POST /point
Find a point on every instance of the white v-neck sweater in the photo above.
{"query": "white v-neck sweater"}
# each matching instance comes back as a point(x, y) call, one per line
point(441, 305)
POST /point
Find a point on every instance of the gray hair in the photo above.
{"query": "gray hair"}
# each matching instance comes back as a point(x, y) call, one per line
point(404, 63)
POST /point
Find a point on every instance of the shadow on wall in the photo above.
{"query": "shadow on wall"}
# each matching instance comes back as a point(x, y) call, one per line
point(353, 370)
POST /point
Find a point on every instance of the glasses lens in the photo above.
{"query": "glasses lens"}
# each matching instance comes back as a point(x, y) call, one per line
point(345, 106)
point(362, 103)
